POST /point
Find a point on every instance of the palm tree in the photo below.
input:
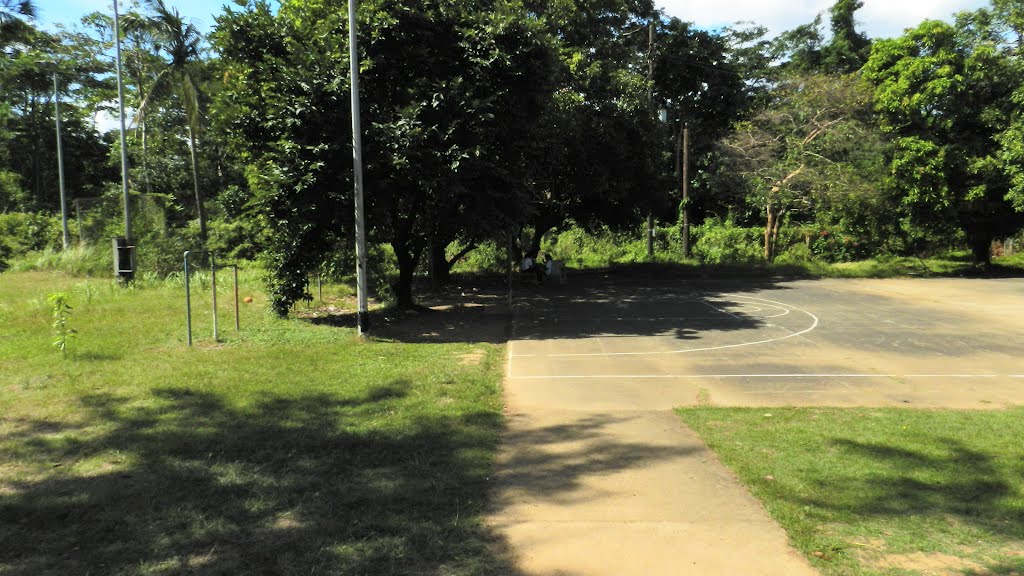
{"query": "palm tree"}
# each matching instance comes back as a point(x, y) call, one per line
point(181, 42)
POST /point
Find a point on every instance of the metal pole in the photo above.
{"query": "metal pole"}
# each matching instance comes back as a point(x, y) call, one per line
point(60, 165)
point(511, 263)
point(124, 141)
point(213, 283)
point(235, 266)
point(320, 286)
point(357, 172)
point(188, 303)
point(685, 232)
point(650, 102)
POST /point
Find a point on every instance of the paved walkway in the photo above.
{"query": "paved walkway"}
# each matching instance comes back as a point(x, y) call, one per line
point(621, 486)
point(621, 493)
point(597, 475)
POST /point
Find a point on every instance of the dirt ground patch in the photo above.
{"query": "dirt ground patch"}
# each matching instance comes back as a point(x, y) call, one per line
point(926, 564)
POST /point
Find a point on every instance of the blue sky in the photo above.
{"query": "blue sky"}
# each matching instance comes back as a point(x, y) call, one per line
point(879, 18)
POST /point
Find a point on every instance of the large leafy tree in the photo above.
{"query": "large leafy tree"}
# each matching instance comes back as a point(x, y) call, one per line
point(944, 94)
point(28, 155)
point(451, 92)
point(803, 49)
point(595, 163)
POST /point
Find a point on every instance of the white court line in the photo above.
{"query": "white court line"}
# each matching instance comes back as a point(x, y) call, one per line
point(717, 309)
point(688, 350)
point(723, 376)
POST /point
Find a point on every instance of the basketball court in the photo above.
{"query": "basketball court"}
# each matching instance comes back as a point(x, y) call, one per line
point(655, 344)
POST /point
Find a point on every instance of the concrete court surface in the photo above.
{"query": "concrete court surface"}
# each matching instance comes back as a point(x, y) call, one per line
point(597, 476)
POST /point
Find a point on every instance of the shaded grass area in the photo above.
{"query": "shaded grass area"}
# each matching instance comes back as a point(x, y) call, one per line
point(288, 448)
point(883, 491)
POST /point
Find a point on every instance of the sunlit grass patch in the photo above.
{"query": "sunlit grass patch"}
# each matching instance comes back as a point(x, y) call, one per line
point(883, 491)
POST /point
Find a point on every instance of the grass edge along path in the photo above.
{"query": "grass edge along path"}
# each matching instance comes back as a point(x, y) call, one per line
point(871, 491)
point(291, 448)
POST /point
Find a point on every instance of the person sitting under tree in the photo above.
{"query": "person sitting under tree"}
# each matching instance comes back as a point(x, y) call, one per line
point(530, 264)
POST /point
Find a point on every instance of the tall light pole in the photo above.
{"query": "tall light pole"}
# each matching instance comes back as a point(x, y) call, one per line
point(60, 164)
point(47, 64)
point(357, 173)
point(124, 142)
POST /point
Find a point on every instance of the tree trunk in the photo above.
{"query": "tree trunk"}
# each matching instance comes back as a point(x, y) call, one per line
point(775, 234)
point(407, 258)
point(200, 211)
point(435, 257)
point(980, 239)
point(771, 229)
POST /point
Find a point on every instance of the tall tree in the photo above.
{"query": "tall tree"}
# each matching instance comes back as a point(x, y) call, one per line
point(944, 97)
point(182, 44)
point(451, 93)
point(849, 49)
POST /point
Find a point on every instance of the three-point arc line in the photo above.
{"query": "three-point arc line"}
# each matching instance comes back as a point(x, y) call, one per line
point(813, 325)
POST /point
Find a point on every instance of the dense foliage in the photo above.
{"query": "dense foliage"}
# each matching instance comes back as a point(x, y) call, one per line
point(492, 126)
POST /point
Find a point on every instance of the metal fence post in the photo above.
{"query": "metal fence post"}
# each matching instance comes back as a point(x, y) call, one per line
point(213, 283)
point(235, 267)
point(188, 303)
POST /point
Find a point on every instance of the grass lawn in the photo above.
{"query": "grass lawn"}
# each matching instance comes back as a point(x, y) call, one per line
point(883, 491)
point(287, 448)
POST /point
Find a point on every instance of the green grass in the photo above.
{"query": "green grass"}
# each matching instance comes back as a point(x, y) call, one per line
point(287, 448)
point(883, 491)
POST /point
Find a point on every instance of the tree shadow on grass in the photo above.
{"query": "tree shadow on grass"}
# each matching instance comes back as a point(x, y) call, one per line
point(961, 483)
point(286, 485)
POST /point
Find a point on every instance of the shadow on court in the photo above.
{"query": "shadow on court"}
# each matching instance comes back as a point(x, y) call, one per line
point(633, 301)
point(638, 302)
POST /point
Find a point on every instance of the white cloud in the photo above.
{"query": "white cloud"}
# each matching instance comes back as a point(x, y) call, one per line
point(878, 18)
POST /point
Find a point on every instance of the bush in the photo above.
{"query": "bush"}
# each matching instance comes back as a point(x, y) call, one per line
point(722, 242)
point(837, 246)
point(796, 254)
point(24, 232)
point(489, 256)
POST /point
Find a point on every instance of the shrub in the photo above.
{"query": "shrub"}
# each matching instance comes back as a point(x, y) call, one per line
point(489, 256)
point(837, 246)
point(24, 232)
point(722, 242)
point(796, 254)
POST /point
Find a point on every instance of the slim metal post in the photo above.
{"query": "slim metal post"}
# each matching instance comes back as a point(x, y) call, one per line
point(60, 165)
point(124, 140)
point(188, 302)
point(235, 266)
point(685, 231)
point(213, 283)
point(357, 173)
point(320, 286)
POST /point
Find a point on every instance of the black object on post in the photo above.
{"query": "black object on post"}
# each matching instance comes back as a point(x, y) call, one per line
point(124, 259)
